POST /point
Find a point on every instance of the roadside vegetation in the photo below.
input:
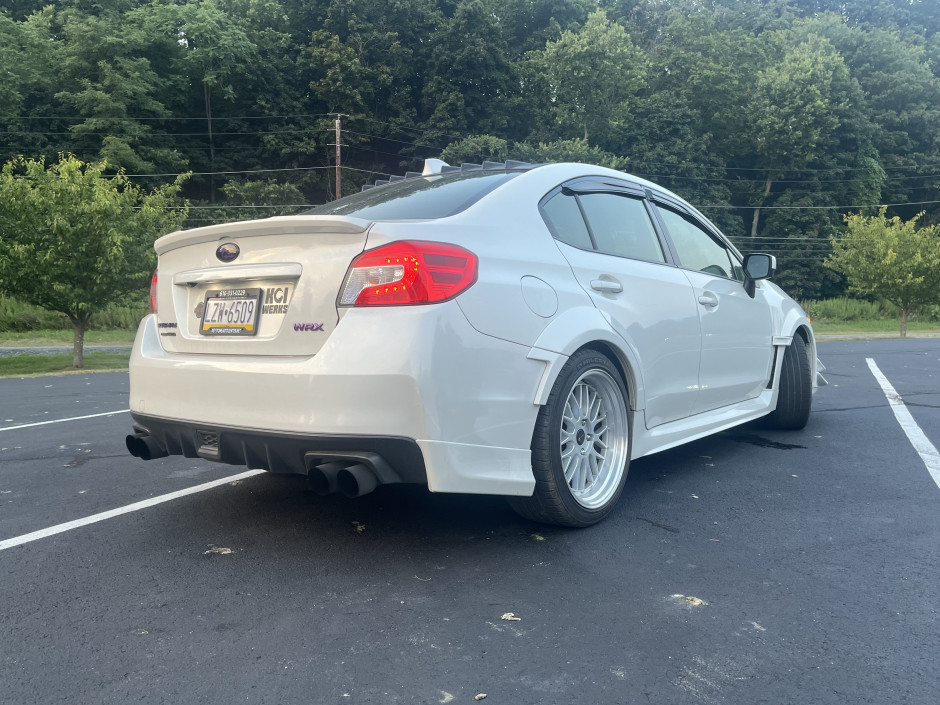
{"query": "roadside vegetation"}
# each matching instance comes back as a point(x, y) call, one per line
point(797, 126)
point(74, 239)
point(775, 117)
point(25, 320)
point(860, 317)
point(21, 365)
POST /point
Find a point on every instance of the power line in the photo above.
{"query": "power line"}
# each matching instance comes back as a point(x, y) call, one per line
point(361, 148)
point(412, 129)
point(784, 181)
point(930, 165)
point(224, 207)
point(257, 171)
point(389, 139)
point(80, 133)
point(875, 205)
point(140, 119)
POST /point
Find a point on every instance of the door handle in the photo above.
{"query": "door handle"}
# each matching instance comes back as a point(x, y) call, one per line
point(708, 299)
point(607, 286)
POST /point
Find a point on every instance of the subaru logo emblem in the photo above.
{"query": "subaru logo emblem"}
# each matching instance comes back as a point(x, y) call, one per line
point(227, 252)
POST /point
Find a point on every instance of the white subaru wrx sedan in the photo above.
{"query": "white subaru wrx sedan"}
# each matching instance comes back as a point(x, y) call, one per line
point(506, 329)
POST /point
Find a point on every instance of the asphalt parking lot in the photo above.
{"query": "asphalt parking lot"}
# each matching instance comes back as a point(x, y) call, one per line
point(751, 567)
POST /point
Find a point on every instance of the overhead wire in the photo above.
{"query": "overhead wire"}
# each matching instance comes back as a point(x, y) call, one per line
point(132, 118)
point(437, 148)
point(325, 130)
point(872, 205)
point(259, 171)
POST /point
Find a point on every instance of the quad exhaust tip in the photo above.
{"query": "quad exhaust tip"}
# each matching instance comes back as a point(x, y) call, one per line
point(352, 476)
point(356, 480)
point(145, 447)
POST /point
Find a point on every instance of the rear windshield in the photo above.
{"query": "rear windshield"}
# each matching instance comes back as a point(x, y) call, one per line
point(423, 198)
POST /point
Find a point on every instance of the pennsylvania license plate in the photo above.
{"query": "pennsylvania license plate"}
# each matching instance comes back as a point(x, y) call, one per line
point(231, 312)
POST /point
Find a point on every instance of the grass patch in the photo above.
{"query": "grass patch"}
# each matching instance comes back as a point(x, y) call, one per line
point(880, 326)
point(20, 365)
point(43, 338)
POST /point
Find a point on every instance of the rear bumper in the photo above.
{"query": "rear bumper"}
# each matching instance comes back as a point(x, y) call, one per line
point(281, 452)
point(441, 403)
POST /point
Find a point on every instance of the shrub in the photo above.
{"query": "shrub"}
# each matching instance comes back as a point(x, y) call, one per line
point(846, 309)
point(17, 317)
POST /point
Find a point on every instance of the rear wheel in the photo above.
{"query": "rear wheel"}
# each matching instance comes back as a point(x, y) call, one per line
point(796, 388)
point(580, 446)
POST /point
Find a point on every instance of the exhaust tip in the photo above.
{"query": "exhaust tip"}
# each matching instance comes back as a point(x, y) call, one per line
point(322, 478)
point(144, 446)
point(356, 481)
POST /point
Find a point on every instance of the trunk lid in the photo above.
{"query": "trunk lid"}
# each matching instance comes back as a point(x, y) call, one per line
point(275, 294)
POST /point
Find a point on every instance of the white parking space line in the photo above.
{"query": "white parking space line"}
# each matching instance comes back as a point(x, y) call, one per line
point(927, 451)
point(68, 526)
point(73, 418)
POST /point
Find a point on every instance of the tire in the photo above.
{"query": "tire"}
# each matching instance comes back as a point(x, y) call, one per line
point(796, 388)
point(589, 395)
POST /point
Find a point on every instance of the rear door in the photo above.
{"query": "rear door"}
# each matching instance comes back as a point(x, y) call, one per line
point(606, 234)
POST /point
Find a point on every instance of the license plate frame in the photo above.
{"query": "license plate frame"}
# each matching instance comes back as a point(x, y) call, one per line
point(237, 321)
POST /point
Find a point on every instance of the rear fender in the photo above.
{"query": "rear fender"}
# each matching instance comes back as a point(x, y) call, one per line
point(578, 328)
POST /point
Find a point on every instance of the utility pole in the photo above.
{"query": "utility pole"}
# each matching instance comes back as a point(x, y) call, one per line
point(339, 185)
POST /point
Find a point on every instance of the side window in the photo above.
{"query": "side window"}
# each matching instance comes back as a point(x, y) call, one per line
point(696, 248)
point(621, 226)
point(565, 221)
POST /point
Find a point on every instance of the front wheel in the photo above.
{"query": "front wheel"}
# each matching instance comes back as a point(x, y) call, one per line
point(795, 397)
point(580, 446)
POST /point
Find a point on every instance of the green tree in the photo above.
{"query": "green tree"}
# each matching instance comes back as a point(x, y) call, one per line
point(792, 113)
point(108, 81)
point(73, 240)
point(28, 77)
point(212, 46)
point(529, 24)
point(574, 150)
point(591, 79)
point(470, 81)
point(478, 148)
point(891, 259)
point(247, 199)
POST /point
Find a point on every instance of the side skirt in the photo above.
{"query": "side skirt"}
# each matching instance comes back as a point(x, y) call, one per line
point(675, 433)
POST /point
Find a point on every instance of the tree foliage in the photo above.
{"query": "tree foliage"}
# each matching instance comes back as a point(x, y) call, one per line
point(591, 79)
point(73, 240)
point(890, 258)
point(775, 117)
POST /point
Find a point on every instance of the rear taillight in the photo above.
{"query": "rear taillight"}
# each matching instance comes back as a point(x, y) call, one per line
point(153, 293)
point(408, 272)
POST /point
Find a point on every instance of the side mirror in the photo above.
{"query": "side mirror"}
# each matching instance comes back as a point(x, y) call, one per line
point(757, 266)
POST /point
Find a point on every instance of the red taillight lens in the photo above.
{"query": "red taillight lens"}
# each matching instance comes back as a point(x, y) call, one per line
point(408, 272)
point(153, 293)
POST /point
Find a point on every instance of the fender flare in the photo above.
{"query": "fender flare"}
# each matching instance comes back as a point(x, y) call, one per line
point(556, 344)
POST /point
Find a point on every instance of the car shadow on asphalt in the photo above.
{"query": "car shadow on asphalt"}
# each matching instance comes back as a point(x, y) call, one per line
point(281, 513)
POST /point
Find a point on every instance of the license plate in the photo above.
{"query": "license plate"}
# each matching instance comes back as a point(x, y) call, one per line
point(231, 312)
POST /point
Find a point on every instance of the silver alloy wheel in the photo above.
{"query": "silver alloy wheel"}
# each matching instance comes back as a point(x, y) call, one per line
point(594, 440)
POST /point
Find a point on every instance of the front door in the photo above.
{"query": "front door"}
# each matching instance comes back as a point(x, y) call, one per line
point(737, 333)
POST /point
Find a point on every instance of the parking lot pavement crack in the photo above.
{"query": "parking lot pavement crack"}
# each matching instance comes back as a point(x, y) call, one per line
point(83, 458)
point(922, 406)
point(848, 408)
point(755, 440)
point(665, 527)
